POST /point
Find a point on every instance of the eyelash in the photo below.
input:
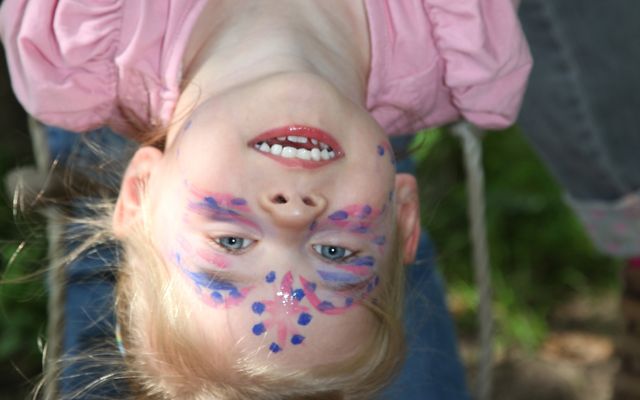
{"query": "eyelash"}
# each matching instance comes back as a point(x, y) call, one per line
point(318, 249)
point(218, 242)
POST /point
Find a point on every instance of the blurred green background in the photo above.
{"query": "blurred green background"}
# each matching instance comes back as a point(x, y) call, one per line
point(22, 252)
point(540, 255)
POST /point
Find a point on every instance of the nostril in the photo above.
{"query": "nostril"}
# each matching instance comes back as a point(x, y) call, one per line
point(308, 201)
point(279, 199)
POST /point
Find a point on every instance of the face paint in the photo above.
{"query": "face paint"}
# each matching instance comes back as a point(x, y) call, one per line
point(334, 304)
point(218, 206)
point(211, 258)
point(222, 207)
point(385, 148)
point(283, 315)
point(198, 255)
point(359, 219)
point(355, 274)
point(355, 219)
point(213, 289)
point(202, 264)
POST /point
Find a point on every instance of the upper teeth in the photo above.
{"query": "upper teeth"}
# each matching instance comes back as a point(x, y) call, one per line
point(320, 151)
point(297, 139)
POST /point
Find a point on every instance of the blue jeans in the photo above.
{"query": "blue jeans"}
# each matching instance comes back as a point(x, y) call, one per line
point(433, 370)
point(582, 110)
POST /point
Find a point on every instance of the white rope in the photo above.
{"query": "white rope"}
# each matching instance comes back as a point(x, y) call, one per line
point(469, 136)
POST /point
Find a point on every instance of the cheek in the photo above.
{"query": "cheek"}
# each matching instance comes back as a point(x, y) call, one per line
point(284, 321)
point(298, 338)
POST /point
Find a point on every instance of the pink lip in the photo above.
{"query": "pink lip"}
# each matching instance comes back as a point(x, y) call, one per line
point(299, 130)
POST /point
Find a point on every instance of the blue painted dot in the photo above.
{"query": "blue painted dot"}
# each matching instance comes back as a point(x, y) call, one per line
point(380, 150)
point(304, 319)
point(298, 294)
point(367, 261)
point(366, 210)
point(211, 202)
point(271, 276)
point(275, 347)
point(311, 286)
point(238, 201)
point(217, 297)
point(258, 329)
point(326, 305)
point(258, 307)
point(339, 215)
point(360, 229)
point(380, 240)
point(348, 301)
point(297, 339)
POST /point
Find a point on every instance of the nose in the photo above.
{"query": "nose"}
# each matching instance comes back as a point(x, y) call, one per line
point(291, 209)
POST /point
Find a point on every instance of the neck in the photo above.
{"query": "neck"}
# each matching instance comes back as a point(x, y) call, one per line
point(238, 41)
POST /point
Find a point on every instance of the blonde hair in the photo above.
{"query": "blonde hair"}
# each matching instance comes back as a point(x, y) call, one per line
point(166, 363)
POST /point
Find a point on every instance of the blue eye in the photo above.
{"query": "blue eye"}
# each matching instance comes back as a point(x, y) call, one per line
point(233, 244)
point(332, 253)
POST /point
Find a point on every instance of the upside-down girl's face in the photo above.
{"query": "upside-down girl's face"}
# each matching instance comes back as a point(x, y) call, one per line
point(275, 204)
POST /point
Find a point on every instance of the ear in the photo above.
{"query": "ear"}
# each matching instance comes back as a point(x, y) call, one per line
point(408, 215)
point(129, 205)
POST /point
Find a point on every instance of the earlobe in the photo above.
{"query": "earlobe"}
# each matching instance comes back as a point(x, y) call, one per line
point(129, 205)
point(408, 215)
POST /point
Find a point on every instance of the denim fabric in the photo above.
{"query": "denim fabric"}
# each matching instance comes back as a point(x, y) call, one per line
point(432, 370)
point(88, 326)
point(582, 111)
point(582, 107)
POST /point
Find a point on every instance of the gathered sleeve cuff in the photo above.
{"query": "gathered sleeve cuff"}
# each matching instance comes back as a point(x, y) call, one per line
point(436, 61)
point(487, 63)
point(81, 64)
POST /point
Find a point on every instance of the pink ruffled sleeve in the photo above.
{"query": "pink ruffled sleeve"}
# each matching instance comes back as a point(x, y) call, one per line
point(436, 61)
point(77, 64)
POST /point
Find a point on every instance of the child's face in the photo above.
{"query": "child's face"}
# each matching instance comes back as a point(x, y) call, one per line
point(277, 254)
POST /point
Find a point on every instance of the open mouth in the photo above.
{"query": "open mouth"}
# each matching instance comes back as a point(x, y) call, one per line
point(303, 143)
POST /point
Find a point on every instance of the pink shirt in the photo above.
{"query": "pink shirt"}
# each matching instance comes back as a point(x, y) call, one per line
point(74, 62)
